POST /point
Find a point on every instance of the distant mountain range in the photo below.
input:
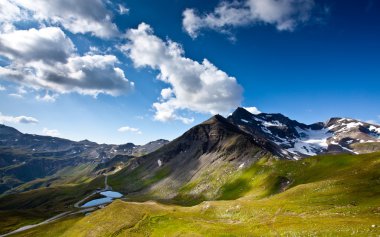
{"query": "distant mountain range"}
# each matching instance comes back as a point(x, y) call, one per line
point(218, 145)
point(27, 157)
point(257, 164)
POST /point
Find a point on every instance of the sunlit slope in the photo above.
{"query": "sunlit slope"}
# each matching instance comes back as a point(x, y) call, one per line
point(323, 196)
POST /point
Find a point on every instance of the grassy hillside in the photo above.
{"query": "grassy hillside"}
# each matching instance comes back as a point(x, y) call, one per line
point(318, 196)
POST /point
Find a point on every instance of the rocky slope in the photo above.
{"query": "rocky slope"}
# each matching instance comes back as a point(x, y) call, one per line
point(193, 166)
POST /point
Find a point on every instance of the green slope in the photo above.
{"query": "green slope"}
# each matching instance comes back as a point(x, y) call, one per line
point(318, 196)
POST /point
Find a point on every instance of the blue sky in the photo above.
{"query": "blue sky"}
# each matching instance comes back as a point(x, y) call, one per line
point(95, 74)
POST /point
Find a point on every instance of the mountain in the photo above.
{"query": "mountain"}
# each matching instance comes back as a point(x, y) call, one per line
point(220, 145)
point(298, 140)
point(195, 164)
point(29, 161)
point(246, 174)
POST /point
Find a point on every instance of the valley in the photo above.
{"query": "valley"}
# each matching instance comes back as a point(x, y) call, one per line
point(342, 199)
point(245, 175)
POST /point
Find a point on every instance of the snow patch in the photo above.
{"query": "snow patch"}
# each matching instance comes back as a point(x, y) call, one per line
point(273, 123)
point(311, 141)
point(374, 129)
point(264, 129)
point(354, 124)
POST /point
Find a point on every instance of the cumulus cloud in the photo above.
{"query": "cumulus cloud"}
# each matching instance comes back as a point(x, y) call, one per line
point(48, 45)
point(194, 86)
point(51, 132)
point(252, 110)
point(10, 12)
point(84, 16)
point(2, 88)
point(17, 119)
point(46, 59)
point(285, 15)
point(129, 129)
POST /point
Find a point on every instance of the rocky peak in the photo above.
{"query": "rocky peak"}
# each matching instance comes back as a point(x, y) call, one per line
point(300, 140)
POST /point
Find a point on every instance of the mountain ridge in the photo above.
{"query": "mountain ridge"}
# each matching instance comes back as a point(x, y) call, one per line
point(273, 134)
point(323, 137)
point(229, 163)
point(27, 158)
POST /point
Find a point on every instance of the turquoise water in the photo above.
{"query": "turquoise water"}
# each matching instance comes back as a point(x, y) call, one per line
point(109, 196)
point(97, 202)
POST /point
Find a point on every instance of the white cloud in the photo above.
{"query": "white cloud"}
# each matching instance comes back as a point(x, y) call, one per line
point(10, 12)
point(194, 86)
point(48, 45)
point(51, 132)
point(21, 90)
point(47, 97)
point(17, 119)
point(285, 15)
point(84, 16)
point(252, 110)
point(2, 88)
point(15, 95)
point(122, 9)
point(129, 129)
point(166, 93)
point(47, 59)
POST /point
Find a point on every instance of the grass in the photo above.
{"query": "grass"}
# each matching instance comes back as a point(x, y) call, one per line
point(136, 180)
point(32, 207)
point(79, 174)
point(326, 196)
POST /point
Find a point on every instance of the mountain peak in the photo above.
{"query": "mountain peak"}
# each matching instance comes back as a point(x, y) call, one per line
point(215, 119)
point(241, 112)
point(6, 130)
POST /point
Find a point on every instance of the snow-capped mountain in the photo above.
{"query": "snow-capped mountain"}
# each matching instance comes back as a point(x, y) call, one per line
point(297, 140)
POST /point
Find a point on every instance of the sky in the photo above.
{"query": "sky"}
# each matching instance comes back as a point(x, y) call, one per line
point(139, 70)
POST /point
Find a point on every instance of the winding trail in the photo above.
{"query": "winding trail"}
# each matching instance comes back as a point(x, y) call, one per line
point(65, 214)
